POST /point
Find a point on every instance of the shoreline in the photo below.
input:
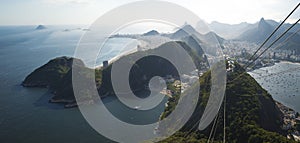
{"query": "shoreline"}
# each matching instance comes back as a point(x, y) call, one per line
point(283, 105)
point(290, 121)
point(144, 43)
point(269, 65)
point(292, 62)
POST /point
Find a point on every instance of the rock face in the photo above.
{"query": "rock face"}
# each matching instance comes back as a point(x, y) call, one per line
point(40, 27)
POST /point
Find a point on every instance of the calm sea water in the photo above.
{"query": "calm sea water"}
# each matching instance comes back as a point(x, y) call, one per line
point(25, 114)
point(282, 81)
point(27, 117)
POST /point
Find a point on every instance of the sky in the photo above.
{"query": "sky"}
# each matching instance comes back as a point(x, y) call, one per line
point(65, 12)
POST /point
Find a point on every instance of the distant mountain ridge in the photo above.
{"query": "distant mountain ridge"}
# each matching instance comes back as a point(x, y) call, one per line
point(236, 31)
point(198, 41)
point(188, 30)
point(259, 33)
point(264, 28)
point(229, 31)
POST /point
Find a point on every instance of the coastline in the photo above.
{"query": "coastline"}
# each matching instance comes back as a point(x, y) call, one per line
point(291, 121)
point(283, 106)
point(272, 64)
point(112, 60)
point(141, 42)
point(292, 62)
point(144, 43)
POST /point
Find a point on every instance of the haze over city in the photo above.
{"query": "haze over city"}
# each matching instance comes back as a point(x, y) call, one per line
point(64, 12)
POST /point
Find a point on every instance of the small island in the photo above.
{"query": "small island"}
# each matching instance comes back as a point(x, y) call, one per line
point(40, 27)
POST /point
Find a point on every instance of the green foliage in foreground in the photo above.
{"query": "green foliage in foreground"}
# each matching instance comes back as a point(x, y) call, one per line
point(251, 114)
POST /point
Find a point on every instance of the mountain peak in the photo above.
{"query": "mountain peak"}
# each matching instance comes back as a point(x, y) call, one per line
point(188, 28)
point(184, 31)
point(262, 21)
point(264, 25)
point(151, 33)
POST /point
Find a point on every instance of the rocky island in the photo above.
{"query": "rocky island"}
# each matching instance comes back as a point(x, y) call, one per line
point(40, 27)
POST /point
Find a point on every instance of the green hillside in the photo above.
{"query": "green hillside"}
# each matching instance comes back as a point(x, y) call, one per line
point(251, 114)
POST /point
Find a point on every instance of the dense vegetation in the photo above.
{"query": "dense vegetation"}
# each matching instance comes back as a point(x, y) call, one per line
point(147, 67)
point(49, 74)
point(57, 76)
point(57, 73)
point(251, 114)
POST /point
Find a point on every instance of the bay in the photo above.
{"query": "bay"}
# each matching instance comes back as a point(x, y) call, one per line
point(25, 114)
point(282, 81)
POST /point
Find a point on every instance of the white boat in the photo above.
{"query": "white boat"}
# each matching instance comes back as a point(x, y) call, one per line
point(137, 107)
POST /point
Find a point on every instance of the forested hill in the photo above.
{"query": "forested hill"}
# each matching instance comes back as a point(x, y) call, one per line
point(251, 114)
point(56, 75)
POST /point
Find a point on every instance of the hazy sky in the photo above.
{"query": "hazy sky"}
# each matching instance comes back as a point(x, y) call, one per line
point(52, 12)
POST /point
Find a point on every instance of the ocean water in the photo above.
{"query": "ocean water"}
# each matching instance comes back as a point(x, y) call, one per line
point(282, 81)
point(25, 114)
point(27, 117)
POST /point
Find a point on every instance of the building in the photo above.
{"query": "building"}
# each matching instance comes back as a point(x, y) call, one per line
point(105, 64)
